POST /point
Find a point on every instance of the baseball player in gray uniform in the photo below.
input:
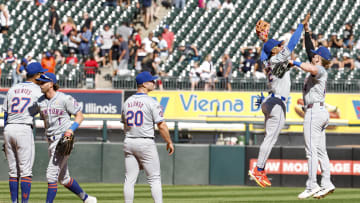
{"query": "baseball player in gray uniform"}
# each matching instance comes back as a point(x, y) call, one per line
point(19, 111)
point(275, 56)
point(315, 122)
point(139, 114)
point(55, 109)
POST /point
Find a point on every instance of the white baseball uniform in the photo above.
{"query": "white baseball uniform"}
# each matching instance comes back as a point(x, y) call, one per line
point(56, 113)
point(274, 106)
point(18, 133)
point(315, 122)
point(140, 113)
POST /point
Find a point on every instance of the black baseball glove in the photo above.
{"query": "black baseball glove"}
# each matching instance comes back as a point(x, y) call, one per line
point(65, 144)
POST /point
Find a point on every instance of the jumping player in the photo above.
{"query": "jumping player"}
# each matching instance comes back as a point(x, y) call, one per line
point(55, 109)
point(140, 113)
point(316, 119)
point(19, 111)
point(275, 57)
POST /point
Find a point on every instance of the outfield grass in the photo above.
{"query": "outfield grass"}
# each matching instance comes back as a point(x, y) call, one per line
point(107, 193)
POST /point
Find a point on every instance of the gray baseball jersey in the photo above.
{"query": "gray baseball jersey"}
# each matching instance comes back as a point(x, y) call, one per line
point(315, 122)
point(140, 113)
point(315, 87)
point(57, 111)
point(18, 135)
point(277, 73)
point(20, 103)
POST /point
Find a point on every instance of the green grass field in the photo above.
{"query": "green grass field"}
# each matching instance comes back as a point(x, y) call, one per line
point(107, 193)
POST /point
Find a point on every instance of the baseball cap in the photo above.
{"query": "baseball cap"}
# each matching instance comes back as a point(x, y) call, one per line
point(34, 68)
point(144, 77)
point(47, 54)
point(268, 46)
point(323, 52)
point(166, 26)
point(346, 55)
point(48, 77)
point(24, 61)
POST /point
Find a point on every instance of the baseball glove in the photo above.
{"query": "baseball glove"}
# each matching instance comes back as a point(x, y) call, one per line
point(65, 144)
point(262, 30)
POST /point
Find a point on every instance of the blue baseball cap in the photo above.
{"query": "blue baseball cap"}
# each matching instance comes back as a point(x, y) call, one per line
point(144, 77)
point(268, 46)
point(47, 54)
point(35, 67)
point(24, 61)
point(47, 77)
point(323, 52)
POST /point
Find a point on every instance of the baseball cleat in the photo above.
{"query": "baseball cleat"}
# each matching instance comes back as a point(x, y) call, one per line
point(309, 193)
point(90, 199)
point(259, 177)
point(323, 192)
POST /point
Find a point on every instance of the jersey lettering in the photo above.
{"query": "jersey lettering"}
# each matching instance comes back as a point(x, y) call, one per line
point(17, 101)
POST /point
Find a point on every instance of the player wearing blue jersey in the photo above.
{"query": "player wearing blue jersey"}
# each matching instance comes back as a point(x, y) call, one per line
point(19, 111)
point(139, 114)
point(55, 109)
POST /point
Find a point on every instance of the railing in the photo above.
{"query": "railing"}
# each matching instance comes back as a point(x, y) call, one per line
point(242, 84)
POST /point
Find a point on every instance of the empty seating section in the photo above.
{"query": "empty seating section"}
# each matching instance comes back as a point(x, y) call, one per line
point(29, 33)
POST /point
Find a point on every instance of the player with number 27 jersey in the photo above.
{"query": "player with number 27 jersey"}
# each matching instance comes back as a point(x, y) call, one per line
point(140, 112)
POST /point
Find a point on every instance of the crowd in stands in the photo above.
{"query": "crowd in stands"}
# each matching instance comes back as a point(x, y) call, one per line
point(125, 51)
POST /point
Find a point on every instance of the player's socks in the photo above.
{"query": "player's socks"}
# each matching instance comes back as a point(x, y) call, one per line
point(260, 169)
point(25, 188)
point(14, 189)
point(74, 187)
point(51, 193)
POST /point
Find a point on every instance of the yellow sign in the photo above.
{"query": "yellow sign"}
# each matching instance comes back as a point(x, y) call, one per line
point(343, 108)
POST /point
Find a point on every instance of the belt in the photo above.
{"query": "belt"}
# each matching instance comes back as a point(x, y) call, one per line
point(141, 137)
point(31, 125)
point(309, 106)
point(277, 96)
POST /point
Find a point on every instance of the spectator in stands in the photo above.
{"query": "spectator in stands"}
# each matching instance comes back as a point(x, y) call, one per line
point(48, 62)
point(335, 42)
point(228, 5)
point(213, 4)
point(91, 67)
point(227, 65)
point(20, 69)
point(357, 62)
point(40, 2)
point(146, 5)
point(66, 28)
point(148, 64)
point(85, 42)
point(124, 56)
point(88, 22)
point(132, 49)
point(110, 3)
point(321, 41)
point(107, 36)
point(123, 3)
point(74, 41)
point(194, 75)
point(138, 38)
point(10, 60)
point(168, 37)
point(59, 57)
point(208, 73)
point(72, 59)
point(5, 19)
point(124, 30)
point(201, 3)
point(54, 26)
point(147, 41)
point(163, 46)
point(335, 63)
point(180, 4)
point(347, 34)
point(114, 55)
point(248, 63)
point(139, 56)
point(188, 52)
point(348, 62)
point(155, 9)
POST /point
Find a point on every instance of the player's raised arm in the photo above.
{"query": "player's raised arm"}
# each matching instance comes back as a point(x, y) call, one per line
point(164, 132)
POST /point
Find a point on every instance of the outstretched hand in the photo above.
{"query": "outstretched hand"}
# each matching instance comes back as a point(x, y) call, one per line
point(306, 20)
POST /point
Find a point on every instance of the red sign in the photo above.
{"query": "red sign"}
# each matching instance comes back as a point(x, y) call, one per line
point(300, 167)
